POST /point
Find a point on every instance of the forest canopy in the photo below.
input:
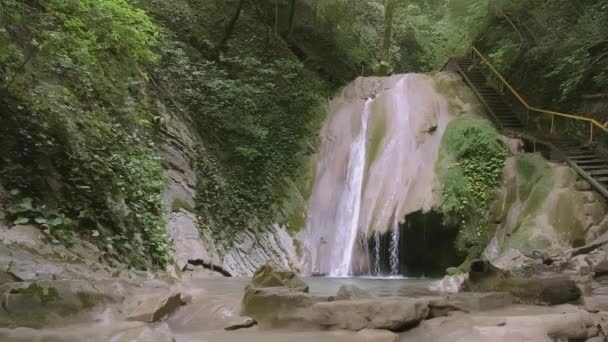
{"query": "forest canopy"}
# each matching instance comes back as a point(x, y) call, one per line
point(86, 87)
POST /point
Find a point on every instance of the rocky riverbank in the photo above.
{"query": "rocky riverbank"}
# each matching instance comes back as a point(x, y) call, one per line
point(276, 305)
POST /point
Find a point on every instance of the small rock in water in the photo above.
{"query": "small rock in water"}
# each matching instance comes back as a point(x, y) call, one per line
point(246, 323)
point(154, 308)
point(347, 292)
point(450, 284)
point(272, 276)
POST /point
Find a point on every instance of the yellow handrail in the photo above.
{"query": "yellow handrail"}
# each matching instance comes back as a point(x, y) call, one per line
point(534, 109)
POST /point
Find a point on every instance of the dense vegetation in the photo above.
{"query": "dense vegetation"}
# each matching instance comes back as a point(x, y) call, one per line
point(85, 86)
point(470, 170)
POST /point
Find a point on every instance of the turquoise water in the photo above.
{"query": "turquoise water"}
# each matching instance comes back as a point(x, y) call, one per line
point(327, 286)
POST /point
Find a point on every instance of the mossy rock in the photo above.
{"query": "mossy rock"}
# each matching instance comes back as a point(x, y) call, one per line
point(550, 290)
point(34, 304)
point(273, 276)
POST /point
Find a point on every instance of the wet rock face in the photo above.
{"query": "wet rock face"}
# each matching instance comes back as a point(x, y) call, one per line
point(179, 152)
point(542, 207)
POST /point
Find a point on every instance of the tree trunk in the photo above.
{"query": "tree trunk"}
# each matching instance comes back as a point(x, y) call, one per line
point(385, 54)
point(292, 14)
point(231, 25)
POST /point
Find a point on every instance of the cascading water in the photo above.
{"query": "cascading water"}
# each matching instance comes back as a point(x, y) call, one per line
point(376, 165)
point(348, 214)
point(377, 270)
point(394, 249)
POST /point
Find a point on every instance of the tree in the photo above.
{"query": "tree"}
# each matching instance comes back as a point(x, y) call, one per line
point(385, 53)
point(230, 27)
point(292, 14)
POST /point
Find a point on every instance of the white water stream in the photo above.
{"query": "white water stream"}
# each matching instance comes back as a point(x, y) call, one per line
point(350, 202)
point(375, 165)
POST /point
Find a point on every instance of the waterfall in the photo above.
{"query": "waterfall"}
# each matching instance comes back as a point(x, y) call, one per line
point(347, 222)
point(377, 271)
point(394, 249)
point(376, 164)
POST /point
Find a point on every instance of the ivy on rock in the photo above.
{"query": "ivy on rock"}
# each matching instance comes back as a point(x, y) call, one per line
point(470, 169)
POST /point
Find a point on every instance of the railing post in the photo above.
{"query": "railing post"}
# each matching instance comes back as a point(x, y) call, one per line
point(591, 133)
point(552, 122)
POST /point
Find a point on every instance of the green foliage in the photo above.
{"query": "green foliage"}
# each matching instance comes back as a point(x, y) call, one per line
point(470, 171)
point(254, 117)
point(53, 222)
point(82, 32)
point(553, 51)
point(78, 131)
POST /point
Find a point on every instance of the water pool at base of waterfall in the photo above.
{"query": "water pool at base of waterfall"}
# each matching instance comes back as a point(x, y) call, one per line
point(328, 286)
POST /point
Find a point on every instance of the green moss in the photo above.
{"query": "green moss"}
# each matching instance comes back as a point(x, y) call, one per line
point(378, 129)
point(458, 95)
point(530, 169)
point(470, 165)
point(179, 204)
point(298, 246)
point(45, 295)
point(537, 196)
point(524, 239)
point(569, 227)
point(89, 300)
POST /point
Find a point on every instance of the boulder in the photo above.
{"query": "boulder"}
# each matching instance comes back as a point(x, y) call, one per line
point(33, 304)
point(7, 277)
point(375, 335)
point(538, 208)
point(278, 306)
point(596, 303)
point(471, 301)
point(207, 312)
point(153, 307)
point(394, 313)
point(272, 276)
point(347, 292)
point(549, 289)
point(517, 264)
point(450, 284)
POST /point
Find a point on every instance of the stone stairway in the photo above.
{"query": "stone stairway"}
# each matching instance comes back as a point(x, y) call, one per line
point(588, 159)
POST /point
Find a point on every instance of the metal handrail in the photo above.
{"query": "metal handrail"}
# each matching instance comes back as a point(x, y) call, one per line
point(553, 114)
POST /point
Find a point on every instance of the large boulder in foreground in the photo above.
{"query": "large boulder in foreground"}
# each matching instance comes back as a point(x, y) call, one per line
point(391, 313)
point(551, 289)
point(34, 304)
point(278, 297)
point(279, 306)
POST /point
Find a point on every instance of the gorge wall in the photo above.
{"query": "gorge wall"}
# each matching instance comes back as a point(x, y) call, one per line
point(193, 244)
